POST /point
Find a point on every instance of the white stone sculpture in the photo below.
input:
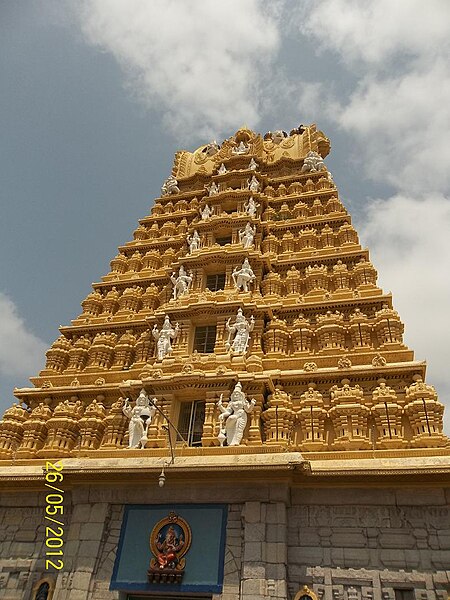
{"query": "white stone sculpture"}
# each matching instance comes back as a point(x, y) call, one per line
point(241, 148)
point(247, 235)
point(233, 418)
point(206, 212)
point(170, 186)
point(140, 417)
point(313, 162)
point(277, 136)
point(222, 169)
point(253, 184)
point(181, 284)
point(240, 330)
point(251, 207)
point(194, 242)
point(253, 165)
point(213, 189)
point(164, 338)
point(212, 148)
point(243, 276)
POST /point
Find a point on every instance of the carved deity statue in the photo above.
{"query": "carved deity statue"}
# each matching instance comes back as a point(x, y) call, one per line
point(253, 165)
point(213, 189)
point(243, 276)
point(241, 148)
point(163, 338)
point(140, 418)
point(251, 207)
point(206, 212)
point(181, 283)
point(222, 169)
point(277, 136)
point(253, 184)
point(194, 242)
point(313, 162)
point(233, 418)
point(241, 330)
point(170, 186)
point(212, 148)
point(246, 236)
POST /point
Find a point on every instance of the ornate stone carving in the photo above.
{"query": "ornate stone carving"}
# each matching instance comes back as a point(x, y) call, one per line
point(360, 330)
point(206, 212)
point(181, 283)
point(387, 413)
point(251, 207)
point(164, 338)
point(241, 148)
point(193, 242)
point(233, 418)
point(243, 276)
point(239, 333)
point(247, 235)
point(388, 327)
point(349, 417)
point(311, 416)
point(253, 184)
point(425, 413)
point(140, 419)
point(313, 162)
point(222, 169)
point(276, 337)
point(330, 331)
point(278, 418)
point(11, 430)
point(213, 189)
point(170, 186)
point(301, 335)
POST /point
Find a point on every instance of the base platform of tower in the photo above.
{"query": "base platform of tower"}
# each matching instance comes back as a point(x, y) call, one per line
point(234, 415)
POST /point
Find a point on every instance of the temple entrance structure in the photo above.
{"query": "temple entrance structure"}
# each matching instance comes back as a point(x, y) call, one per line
point(234, 414)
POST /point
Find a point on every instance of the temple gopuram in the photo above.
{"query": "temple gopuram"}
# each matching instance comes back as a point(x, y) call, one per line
point(234, 415)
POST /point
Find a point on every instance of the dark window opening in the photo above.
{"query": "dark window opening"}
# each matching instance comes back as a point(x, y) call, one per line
point(223, 240)
point(404, 594)
point(215, 282)
point(190, 423)
point(205, 339)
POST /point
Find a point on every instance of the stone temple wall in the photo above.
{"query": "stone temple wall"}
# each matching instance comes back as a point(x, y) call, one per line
point(345, 544)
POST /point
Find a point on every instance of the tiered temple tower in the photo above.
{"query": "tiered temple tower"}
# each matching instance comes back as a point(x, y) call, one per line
point(247, 275)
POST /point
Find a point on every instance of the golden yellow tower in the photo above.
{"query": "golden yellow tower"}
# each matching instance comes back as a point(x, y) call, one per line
point(241, 348)
point(248, 270)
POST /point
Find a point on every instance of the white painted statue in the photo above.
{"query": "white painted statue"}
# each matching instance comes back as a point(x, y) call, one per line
point(253, 165)
point(251, 207)
point(140, 417)
point(247, 235)
point(213, 189)
point(277, 136)
point(233, 418)
point(313, 162)
point(170, 186)
point(241, 148)
point(206, 212)
point(241, 330)
point(222, 169)
point(193, 241)
point(253, 184)
point(212, 148)
point(181, 284)
point(164, 338)
point(243, 276)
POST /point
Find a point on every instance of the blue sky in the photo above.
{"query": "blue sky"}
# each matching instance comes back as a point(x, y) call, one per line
point(96, 97)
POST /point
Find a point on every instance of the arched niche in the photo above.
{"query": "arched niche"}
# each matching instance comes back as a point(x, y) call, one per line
point(305, 594)
point(43, 589)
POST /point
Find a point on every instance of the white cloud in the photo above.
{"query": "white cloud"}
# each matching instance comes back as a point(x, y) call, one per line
point(409, 243)
point(373, 32)
point(398, 113)
point(202, 64)
point(21, 352)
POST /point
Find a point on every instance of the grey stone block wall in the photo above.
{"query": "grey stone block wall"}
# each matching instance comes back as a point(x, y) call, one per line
point(345, 544)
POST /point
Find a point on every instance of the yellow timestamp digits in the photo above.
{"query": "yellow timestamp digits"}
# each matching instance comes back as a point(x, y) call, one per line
point(54, 509)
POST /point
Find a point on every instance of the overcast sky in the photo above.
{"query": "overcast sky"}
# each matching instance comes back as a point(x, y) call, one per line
point(96, 97)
